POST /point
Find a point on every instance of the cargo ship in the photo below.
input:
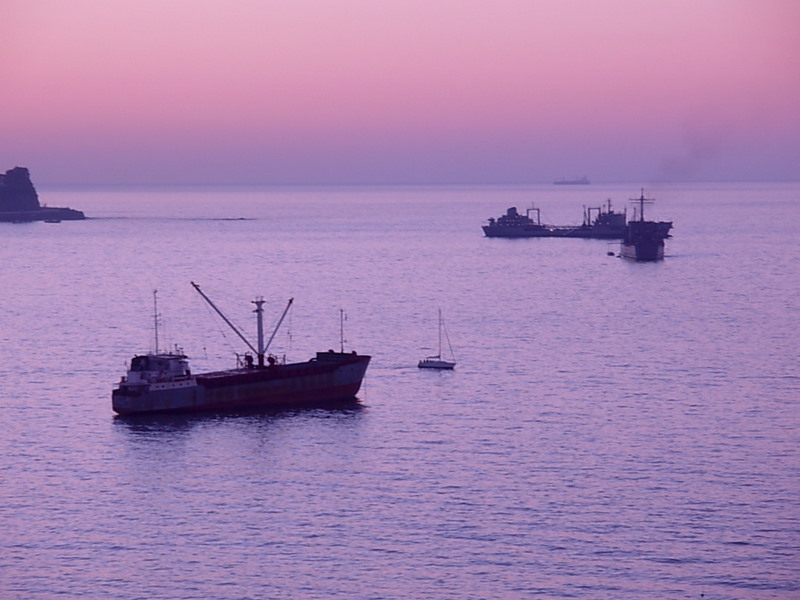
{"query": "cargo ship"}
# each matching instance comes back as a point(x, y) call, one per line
point(643, 241)
point(600, 222)
point(161, 382)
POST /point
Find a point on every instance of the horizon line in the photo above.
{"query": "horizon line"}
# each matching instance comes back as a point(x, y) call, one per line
point(366, 184)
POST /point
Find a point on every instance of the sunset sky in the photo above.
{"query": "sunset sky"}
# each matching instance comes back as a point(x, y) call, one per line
point(399, 91)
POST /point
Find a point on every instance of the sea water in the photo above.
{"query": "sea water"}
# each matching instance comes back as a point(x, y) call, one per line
point(611, 430)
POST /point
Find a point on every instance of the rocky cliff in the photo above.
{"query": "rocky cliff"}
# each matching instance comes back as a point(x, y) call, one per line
point(17, 191)
point(20, 202)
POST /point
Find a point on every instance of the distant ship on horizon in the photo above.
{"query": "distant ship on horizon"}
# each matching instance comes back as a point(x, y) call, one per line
point(577, 181)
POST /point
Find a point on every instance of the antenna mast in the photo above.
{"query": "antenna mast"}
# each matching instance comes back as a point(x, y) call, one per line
point(341, 330)
point(155, 316)
point(642, 201)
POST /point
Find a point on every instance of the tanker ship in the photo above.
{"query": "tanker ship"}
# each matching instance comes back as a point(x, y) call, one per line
point(600, 222)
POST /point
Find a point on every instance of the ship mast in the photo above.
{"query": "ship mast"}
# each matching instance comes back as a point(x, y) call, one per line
point(155, 316)
point(641, 200)
point(341, 330)
point(259, 302)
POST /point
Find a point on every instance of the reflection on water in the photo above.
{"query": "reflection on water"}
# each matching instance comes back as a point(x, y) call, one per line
point(154, 426)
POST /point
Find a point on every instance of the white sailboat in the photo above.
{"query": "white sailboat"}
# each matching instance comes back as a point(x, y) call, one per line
point(436, 362)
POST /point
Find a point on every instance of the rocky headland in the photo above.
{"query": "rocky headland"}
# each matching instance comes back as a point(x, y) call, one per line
point(19, 202)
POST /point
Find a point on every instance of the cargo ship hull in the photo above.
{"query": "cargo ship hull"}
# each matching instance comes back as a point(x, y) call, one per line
point(557, 231)
point(331, 377)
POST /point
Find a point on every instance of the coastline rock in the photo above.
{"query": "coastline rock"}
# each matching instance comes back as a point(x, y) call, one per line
point(17, 191)
point(19, 201)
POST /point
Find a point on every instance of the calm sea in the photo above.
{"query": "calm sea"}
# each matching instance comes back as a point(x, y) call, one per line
point(612, 430)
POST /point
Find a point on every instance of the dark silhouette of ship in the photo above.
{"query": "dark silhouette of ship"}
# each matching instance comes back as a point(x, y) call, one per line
point(577, 181)
point(161, 382)
point(643, 240)
point(600, 222)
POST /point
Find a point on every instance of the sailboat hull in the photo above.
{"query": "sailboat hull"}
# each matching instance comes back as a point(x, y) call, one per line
point(435, 361)
point(436, 364)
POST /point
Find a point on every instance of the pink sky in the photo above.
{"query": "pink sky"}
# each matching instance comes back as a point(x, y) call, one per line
point(399, 91)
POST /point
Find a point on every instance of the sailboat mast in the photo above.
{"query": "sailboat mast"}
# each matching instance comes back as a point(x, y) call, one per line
point(440, 333)
point(447, 336)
